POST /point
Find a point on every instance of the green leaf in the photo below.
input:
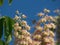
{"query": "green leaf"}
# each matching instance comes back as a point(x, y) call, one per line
point(2, 42)
point(10, 1)
point(1, 2)
point(8, 28)
point(1, 27)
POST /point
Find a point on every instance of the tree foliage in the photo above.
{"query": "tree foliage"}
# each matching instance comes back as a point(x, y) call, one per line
point(6, 29)
point(1, 2)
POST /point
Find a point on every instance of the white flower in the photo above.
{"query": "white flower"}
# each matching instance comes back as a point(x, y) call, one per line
point(16, 24)
point(24, 23)
point(27, 27)
point(17, 12)
point(45, 27)
point(15, 28)
point(39, 28)
point(46, 10)
point(16, 17)
point(19, 28)
point(48, 18)
point(25, 32)
point(16, 34)
point(52, 34)
point(53, 25)
point(28, 34)
point(29, 39)
point(48, 26)
point(40, 14)
point(23, 16)
point(51, 39)
point(51, 18)
point(21, 37)
point(46, 39)
point(37, 32)
point(43, 20)
point(38, 37)
point(23, 43)
point(57, 11)
point(45, 33)
point(36, 43)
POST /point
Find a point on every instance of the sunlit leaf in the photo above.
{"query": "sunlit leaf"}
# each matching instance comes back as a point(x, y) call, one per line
point(1, 2)
point(9, 38)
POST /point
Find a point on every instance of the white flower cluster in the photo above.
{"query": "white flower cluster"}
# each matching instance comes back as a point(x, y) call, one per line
point(21, 28)
point(41, 36)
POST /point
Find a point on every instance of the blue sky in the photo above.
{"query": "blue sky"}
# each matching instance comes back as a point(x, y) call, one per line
point(29, 8)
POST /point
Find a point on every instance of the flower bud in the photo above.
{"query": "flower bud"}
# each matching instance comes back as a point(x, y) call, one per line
point(38, 37)
point(52, 34)
point(27, 27)
point(16, 24)
point(40, 14)
point(16, 17)
point(16, 34)
point(46, 10)
point(23, 16)
point(24, 23)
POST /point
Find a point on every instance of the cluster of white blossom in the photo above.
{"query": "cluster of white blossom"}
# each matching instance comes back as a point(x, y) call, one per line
point(21, 28)
point(41, 36)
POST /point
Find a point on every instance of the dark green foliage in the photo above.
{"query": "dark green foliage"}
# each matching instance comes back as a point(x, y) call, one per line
point(8, 28)
point(2, 42)
point(1, 27)
point(6, 25)
point(1, 2)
